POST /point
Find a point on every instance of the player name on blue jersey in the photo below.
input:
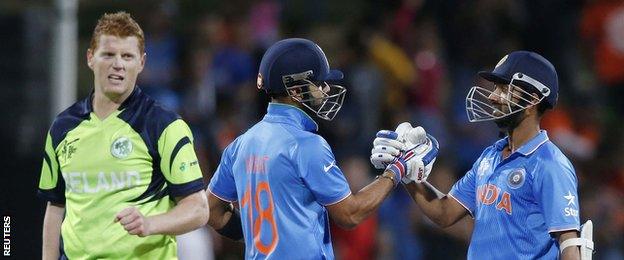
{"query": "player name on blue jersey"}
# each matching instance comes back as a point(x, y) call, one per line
point(283, 174)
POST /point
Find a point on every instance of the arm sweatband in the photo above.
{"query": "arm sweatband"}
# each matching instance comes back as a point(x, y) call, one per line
point(234, 228)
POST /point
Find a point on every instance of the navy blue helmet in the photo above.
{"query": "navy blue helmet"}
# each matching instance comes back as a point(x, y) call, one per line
point(298, 68)
point(526, 74)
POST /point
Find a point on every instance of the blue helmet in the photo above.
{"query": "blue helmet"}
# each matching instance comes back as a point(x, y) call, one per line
point(298, 67)
point(526, 73)
point(529, 64)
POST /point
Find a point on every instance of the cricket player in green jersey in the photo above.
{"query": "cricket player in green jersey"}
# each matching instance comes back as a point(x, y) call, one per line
point(119, 172)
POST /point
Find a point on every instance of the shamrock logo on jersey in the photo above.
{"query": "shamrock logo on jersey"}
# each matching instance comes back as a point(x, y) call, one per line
point(121, 147)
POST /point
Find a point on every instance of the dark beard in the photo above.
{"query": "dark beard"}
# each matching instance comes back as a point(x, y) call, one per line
point(510, 122)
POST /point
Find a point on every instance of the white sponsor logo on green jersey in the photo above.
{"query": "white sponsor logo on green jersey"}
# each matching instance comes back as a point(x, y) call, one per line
point(81, 182)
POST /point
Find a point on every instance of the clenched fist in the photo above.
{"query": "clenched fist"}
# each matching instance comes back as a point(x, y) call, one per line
point(134, 222)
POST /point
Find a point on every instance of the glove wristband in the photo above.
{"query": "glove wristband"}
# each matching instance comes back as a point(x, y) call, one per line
point(398, 168)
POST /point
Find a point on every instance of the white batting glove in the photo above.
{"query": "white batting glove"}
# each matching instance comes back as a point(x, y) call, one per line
point(410, 147)
point(420, 157)
point(388, 145)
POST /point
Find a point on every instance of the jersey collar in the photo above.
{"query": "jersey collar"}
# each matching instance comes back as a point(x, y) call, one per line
point(529, 147)
point(283, 113)
point(136, 92)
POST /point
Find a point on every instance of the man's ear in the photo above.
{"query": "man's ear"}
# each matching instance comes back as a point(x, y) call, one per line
point(533, 109)
point(295, 93)
point(142, 62)
point(90, 58)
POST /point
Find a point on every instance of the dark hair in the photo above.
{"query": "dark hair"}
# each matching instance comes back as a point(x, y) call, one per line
point(542, 107)
point(278, 95)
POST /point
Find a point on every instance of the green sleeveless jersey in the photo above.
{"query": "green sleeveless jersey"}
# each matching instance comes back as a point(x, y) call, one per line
point(141, 155)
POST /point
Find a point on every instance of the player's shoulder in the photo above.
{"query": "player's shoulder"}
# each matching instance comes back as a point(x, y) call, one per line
point(146, 115)
point(310, 139)
point(550, 159)
point(141, 104)
point(69, 119)
point(309, 143)
point(234, 146)
point(550, 152)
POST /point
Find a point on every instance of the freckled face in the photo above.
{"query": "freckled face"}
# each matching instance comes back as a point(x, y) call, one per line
point(116, 64)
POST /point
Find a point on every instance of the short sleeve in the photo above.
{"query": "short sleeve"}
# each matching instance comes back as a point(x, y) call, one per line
point(319, 171)
point(51, 183)
point(464, 191)
point(178, 161)
point(222, 183)
point(555, 188)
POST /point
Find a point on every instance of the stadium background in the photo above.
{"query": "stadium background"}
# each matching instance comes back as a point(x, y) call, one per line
point(404, 60)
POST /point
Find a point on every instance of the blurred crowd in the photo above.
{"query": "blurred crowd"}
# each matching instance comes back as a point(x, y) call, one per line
point(404, 60)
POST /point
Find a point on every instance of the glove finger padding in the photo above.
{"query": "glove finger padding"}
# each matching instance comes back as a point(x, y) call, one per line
point(414, 139)
point(402, 129)
point(380, 141)
point(388, 138)
point(385, 149)
point(382, 160)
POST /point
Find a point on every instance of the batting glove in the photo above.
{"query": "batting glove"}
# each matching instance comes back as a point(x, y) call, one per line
point(415, 164)
point(421, 157)
point(388, 145)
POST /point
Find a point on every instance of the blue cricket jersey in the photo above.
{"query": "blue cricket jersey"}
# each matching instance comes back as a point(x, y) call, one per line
point(517, 202)
point(283, 175)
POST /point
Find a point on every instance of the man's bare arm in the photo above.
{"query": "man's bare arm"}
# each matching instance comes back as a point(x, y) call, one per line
point(52, 230)
point(355, 208)
point(220, 211)
point(571, 252)
point(440, 208)
point(225, 218)
point(190, 213)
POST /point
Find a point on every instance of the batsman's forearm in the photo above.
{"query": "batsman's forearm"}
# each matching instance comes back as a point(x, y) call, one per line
point(369, 198)
point(220, 212)
point(571, 252)
point(190, 213)
point(52, 231)
point(432, 202)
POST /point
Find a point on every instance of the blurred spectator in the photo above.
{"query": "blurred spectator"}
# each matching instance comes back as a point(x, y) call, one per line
point(602, 26)
point(264, 23)
point(396, 223)
point(231, 66)
point(577, 135)
point(397, 67)
point(162, 49)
